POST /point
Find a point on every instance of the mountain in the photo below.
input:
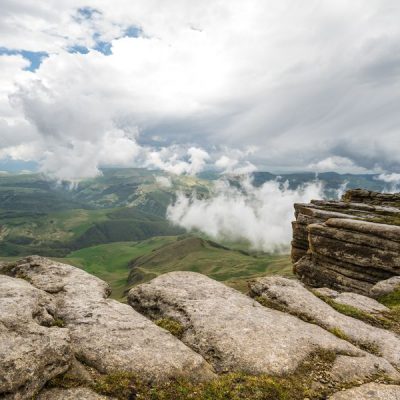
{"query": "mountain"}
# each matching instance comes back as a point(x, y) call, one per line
point(38, 216)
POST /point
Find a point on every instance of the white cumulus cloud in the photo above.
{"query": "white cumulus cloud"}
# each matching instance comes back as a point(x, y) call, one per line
point(260, 216)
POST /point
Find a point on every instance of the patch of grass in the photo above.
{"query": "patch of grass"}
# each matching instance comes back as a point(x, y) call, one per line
point(121, 385)
point(64, 382)
point(59, 322)
point(391, 300)
point(338, 333)
point(172, 326)
point(311, 380)
point(369, 347)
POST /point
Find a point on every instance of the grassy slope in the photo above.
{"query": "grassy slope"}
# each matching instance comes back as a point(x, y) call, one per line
point(110, 261)
point(223, 264)
point(160, 255)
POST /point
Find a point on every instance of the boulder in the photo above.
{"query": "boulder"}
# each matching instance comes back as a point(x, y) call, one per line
point(235, 333)
point(358, 301)
point(385, 287)
point(32, 351)
point(295, 298)
point(369, 391)
point(106, 334)
point(71, 394)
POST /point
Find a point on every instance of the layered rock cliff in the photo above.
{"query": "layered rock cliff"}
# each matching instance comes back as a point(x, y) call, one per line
point(350, 244)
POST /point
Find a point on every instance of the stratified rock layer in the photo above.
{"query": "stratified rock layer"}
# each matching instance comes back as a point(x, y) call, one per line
point(348, 245)
point(235, 333)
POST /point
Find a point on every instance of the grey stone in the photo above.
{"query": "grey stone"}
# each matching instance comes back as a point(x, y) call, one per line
point(31, 351)
point(362, 303)
point(369, 391)
point(106, 334)
point(236, 333)
point(71, 394)
point(295, 298)
point(385, 287)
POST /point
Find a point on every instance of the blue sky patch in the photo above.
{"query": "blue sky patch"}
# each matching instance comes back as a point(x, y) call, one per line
point(34, 57)
point(78, 49)
point(87, 12)
point(10, 165)
point(103, 47)
point(133, 31)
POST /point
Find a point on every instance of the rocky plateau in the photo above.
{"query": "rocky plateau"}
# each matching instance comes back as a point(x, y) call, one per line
point(333, 333)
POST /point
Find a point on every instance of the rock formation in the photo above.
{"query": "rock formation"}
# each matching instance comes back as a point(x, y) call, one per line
point(369, 391)
point(234, 332)
point(53, 313)
point(348, 245)
point(294, 298)
point(62, 338)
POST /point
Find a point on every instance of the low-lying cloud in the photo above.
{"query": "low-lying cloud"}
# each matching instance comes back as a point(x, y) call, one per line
point(392, 180)
point(260, 216)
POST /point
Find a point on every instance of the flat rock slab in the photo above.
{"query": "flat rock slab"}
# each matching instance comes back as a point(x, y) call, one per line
point(369, 391)
point(386, 286)
point(234, 332)
point(295, 298)
point(71, 394)
point(31, 351)
point(107, 335)
point(362, 303)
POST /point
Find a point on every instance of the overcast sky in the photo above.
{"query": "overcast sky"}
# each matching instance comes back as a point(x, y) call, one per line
point(185, 85)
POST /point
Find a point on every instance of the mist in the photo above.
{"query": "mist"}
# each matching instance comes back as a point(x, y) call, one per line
point(260, 216)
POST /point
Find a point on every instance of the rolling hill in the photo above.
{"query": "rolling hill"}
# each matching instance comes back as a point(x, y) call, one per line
point(107, 222)
point(191, 253)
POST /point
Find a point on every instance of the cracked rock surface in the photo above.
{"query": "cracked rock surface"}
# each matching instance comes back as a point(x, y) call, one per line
point(369, 391)
point(31, 351)
point(101, 333)
point(235, 333)
point(296, 299)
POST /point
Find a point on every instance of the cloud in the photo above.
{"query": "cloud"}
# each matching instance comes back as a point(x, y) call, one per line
point(260, 216)
point(312, 84)
point(338, 164)
point(393, 181)
point(164, 181)
point(168, 159)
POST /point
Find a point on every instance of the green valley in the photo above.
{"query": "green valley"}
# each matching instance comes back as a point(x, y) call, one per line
point(114, 225)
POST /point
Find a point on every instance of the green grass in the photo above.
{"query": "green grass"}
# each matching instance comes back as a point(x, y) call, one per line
point(198, 255)
point(172, 326)
point(110, 261)
point(158, 255)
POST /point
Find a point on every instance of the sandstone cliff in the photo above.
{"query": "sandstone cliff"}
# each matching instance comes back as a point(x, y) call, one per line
point(350, 244)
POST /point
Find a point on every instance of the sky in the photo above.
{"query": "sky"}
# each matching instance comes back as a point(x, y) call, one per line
point(185, 85)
